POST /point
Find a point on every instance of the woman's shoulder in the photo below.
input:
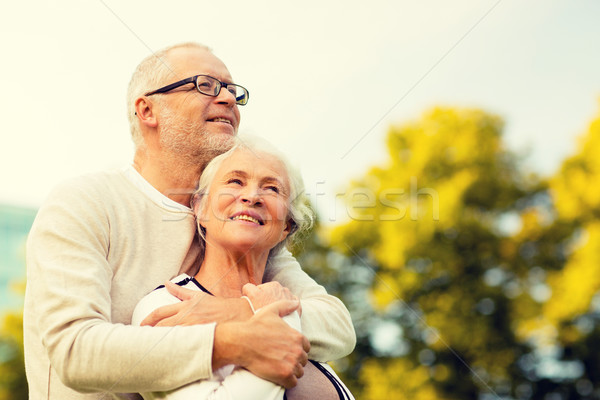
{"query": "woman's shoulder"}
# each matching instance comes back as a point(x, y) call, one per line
point(159, 297)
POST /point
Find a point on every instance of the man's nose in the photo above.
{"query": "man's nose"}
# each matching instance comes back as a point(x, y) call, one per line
point(226, 97)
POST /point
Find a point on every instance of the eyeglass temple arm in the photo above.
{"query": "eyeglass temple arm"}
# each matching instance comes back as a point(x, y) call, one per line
point(173, 86)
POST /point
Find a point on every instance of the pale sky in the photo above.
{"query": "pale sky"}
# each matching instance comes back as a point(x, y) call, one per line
point(326, 78)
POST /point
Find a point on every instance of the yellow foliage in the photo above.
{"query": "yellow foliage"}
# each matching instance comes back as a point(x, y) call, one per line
point(574, 286)
point(441, 373)
point(538, 331)
point(450, 193)
point(12, 327)
point(570, 335)
point(434, 162)
point(392, 249)
point(431, 233)
point(575, 188)
point(398, 379)
point(13, 384)
point(531, 221)
point(508, 248)
point(388, 289)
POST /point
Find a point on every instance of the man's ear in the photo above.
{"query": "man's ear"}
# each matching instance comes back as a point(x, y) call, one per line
point(144, 112)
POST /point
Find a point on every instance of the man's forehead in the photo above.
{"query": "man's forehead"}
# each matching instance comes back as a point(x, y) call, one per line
point(190, 61)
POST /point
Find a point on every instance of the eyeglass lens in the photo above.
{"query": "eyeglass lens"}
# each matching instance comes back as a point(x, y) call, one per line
point(211, 86)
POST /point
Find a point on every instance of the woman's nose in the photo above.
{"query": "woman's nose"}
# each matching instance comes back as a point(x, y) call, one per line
point(251, 197)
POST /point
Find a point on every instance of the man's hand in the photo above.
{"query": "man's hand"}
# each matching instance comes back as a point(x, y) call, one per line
point(268, 293)
point(197, 308)
point(265, 345)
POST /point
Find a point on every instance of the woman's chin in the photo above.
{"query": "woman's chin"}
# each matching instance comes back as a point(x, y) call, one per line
point(253, 246)
point(249, 245)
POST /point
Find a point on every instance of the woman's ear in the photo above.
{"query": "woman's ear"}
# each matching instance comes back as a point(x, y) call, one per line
point(290, 227)
point(199, 209)
point(144, 112)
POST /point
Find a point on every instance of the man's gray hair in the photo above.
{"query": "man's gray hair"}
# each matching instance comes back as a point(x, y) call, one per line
point(152, 72)
point(300, 214)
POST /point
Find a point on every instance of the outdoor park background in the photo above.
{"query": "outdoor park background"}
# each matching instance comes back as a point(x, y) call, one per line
point(448, 147)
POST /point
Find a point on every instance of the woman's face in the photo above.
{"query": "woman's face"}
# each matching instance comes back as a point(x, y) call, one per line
point(247, 204)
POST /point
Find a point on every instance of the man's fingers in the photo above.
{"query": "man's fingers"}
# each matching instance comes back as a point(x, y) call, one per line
point(287, 307)
point(292, 380)
point(299, 306)
point(171, 321)
point(180, 292)
point(289, 383)
point(306, 347)
point(299, 371)
point(281, 307)
point(160, 313)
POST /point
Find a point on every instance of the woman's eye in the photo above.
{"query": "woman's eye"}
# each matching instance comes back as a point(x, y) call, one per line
point(235, 181)
point(274, 189)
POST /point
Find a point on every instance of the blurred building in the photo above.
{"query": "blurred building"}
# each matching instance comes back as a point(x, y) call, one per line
point(15, 223)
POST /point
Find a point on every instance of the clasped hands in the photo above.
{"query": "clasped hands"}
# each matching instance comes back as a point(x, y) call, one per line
point(262, 343)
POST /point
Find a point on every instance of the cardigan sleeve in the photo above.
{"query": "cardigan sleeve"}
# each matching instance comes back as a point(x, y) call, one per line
point(325, 320)
point(69, 308)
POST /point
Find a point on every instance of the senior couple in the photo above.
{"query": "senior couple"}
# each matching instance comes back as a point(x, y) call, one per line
point(103, 242)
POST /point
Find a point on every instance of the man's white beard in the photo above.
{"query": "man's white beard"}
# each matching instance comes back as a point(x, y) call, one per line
point(187, 141)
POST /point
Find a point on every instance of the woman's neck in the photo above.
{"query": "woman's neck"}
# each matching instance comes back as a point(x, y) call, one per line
point(224, 272)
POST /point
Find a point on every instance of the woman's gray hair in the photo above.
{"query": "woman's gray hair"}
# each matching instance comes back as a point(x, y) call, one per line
point(149, 75)
point(300, 214)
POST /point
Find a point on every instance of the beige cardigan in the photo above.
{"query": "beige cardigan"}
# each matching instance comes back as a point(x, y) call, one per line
point(98, 245)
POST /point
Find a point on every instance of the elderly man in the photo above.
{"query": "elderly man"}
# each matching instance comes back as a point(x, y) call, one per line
point(102, 241)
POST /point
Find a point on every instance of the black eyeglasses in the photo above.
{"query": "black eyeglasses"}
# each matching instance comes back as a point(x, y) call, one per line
point(209, 86)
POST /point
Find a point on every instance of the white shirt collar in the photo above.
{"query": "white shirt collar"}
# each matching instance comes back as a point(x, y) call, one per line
point(163, 201)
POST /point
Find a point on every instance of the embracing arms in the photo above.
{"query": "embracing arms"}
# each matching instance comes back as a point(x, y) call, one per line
point(95, 249)
point(92, 254)
point(326, 322)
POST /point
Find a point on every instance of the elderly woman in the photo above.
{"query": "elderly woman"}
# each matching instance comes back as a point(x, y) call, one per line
point(249, 204)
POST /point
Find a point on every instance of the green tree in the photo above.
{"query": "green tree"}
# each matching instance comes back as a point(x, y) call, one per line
point(446, 234)
point(576, 196)
point(569, 323)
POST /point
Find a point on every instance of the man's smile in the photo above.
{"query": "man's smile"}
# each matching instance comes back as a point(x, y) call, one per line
point(221, 119)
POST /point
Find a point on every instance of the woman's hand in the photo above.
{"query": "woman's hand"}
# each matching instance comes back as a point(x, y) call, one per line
point(267, 293)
